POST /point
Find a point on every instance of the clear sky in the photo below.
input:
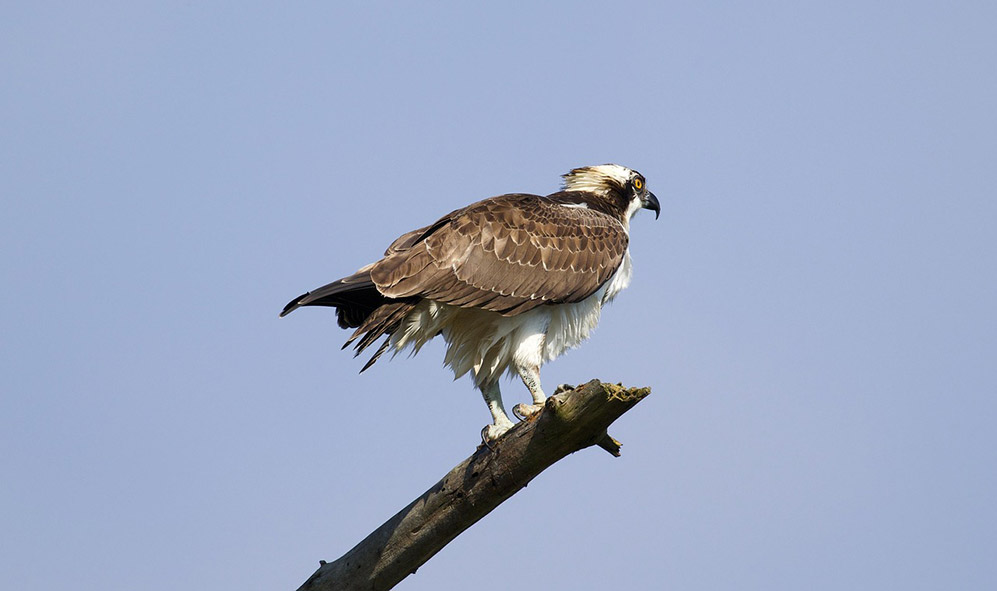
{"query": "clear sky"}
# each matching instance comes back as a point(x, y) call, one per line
point(814, 311)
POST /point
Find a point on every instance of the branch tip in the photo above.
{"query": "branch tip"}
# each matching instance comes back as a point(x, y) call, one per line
point(610, 444)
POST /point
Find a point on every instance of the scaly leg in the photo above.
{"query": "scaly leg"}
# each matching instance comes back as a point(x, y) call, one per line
point(502, 423)
point(531, 377)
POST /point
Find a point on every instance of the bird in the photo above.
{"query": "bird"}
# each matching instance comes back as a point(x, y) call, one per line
point(510, 283)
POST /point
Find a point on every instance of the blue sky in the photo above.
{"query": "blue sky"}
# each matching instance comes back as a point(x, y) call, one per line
point(814, 310)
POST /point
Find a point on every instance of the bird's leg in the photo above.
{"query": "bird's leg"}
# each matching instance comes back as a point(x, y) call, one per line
point(502, 422)
point(531, 377)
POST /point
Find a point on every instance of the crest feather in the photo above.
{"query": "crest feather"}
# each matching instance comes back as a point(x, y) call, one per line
point(599, 179)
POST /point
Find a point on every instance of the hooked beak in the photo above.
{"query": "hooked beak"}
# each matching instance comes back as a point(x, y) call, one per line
point(651, 202)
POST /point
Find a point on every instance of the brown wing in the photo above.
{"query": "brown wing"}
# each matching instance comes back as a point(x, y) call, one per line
point(508, 254)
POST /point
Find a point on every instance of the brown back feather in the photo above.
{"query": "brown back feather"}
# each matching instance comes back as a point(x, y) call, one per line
point(508, 254)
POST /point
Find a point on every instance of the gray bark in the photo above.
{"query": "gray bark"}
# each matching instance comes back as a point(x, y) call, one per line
point(571, 420)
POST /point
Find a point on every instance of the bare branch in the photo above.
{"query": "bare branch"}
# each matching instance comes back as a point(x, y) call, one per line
point(571, 420)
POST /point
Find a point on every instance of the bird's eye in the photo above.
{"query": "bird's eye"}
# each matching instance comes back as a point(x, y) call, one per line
point(638, 183)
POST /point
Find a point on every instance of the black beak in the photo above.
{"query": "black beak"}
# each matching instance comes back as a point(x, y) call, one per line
point(651, 202)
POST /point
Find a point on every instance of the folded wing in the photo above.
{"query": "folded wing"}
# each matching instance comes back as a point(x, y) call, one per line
point(507, 254)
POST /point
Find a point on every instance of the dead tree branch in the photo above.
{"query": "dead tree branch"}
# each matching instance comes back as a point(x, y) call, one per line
point(571, 420)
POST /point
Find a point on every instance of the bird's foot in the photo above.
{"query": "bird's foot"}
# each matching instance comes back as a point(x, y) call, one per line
point(491, 433)
point(527, 412)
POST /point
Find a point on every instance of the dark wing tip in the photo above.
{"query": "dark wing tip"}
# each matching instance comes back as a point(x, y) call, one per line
point(292, 305)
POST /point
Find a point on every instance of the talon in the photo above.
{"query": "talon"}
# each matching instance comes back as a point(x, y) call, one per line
point(484, 438)
point(491, 433)
point(527, 412)
point(563, 388)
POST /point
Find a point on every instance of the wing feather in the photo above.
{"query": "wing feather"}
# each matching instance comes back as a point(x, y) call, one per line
point(507, 254)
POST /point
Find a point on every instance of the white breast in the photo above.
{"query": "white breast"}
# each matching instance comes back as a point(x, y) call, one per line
point(571, 324)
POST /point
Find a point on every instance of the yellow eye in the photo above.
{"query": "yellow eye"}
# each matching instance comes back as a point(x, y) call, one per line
point(638, 183)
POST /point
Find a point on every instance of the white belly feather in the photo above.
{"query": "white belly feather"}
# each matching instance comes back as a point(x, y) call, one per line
point(488, 344)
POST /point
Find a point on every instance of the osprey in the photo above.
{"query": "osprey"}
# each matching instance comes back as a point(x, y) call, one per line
point(510, 282)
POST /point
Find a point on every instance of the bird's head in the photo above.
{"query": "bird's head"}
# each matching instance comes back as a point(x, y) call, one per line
point(625, 188)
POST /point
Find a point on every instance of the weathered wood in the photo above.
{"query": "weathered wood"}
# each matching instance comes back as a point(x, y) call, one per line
point(571, 420)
